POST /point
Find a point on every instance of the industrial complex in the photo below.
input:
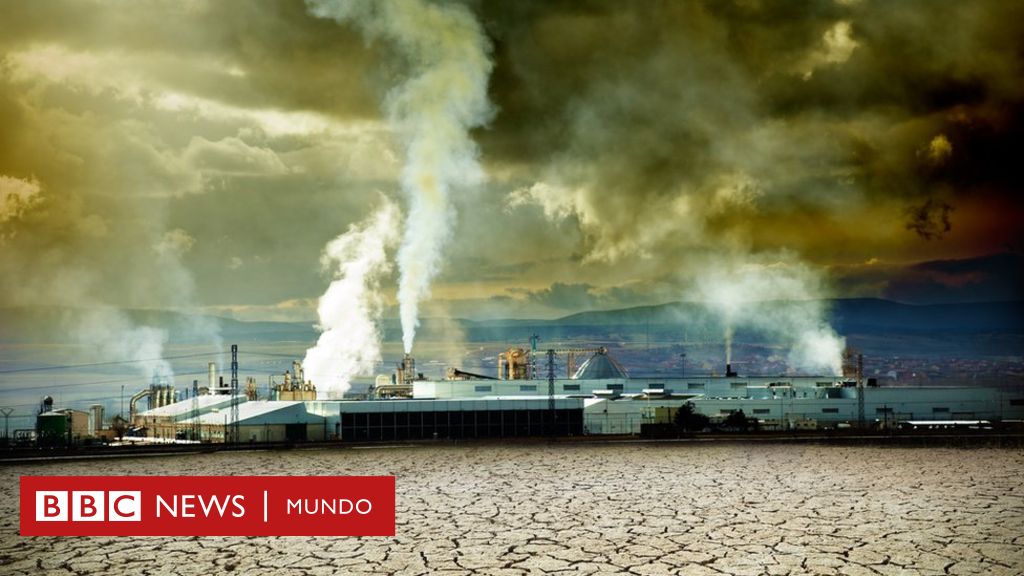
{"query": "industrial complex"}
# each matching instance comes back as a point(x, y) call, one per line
point(598, 397)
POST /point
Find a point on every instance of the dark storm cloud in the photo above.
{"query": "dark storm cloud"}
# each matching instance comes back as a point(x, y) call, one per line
point(214, 124)
point(930, 220)
point(633, 142)
point(283, 57)
point(993, 277)
point(826, 108)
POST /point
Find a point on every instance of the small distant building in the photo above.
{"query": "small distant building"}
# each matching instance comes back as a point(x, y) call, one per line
point(64, 427)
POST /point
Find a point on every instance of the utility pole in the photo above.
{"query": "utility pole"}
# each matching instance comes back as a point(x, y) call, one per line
point(195, 411)
point(860, 391)
point(7, 413)
point(234, 393)
point(551, 391)
point(533, 355)
point(682, 365)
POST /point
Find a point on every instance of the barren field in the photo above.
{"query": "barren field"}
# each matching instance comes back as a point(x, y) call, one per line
point(612, 508)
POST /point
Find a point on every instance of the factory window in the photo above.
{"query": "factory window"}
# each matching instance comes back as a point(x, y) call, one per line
point(482, 388)
point(726, 411)
point(761, 411)
point(694, 386)
point(830, 410)
point(738, 385)
point(653, 386)
point(498, 422)
point(615, 387)
point(1017, 402)
point(527, 387)
point(571, 387)
point(883, 410)
point(940, 410)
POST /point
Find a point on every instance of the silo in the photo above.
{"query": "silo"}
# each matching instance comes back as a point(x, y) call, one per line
point(213, 378)
point(97, 417)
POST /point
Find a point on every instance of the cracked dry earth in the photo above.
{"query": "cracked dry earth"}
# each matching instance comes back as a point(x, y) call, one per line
point(614, 508)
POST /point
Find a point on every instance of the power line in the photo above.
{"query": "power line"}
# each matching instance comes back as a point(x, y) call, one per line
point(43, 387)
point(111, 363)
point(250, 353)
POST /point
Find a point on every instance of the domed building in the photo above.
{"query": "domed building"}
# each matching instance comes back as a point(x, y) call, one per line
point(600, 366)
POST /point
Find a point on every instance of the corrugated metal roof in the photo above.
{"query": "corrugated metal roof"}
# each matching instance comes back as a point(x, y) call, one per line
point(182, 408)
point(258, 412)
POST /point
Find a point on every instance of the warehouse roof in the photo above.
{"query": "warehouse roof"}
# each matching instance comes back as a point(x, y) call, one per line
point(258, 412)
point(205, 403)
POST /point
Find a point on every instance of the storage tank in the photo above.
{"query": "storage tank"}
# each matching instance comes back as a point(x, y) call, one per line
point(52, 429)
point(212, 386)
point(97, 417)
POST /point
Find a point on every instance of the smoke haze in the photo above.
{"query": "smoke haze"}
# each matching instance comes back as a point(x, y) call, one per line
point(432, 112)
point(349, 311)
point(201, 154)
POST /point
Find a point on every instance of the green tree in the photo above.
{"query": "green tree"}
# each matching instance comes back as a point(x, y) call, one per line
point(689, 420)
point(119, 425)
point(737, 421)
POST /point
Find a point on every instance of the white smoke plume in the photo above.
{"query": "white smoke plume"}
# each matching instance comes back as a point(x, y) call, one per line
point(780, 298)
point(444, 97)
point(349, 342)
point(114, 335)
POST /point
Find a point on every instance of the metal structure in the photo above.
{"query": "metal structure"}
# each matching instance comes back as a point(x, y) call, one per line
point(570, 357)
point(551, 391)
point(234, 393)
point(195, 411)
point(534, 338)
point(860, 391)
point(7, 414)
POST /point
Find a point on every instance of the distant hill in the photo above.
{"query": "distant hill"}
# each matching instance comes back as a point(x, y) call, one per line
point(864, 316)
point(870, 314)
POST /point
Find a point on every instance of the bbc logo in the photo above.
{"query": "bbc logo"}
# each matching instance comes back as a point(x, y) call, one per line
point(89, 506)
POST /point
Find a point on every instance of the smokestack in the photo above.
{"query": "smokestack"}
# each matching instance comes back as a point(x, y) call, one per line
point(729, 372)
point(213, 378)
point(409, 369)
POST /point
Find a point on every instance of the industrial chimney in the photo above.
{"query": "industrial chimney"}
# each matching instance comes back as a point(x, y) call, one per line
point(213, 378)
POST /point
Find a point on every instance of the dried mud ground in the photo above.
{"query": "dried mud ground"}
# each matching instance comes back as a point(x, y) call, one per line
point(612, 508)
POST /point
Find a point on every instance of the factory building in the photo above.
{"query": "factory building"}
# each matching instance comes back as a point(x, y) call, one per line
point(599, 398)
point(262, 421)
point(174, 420)
point(64, 427)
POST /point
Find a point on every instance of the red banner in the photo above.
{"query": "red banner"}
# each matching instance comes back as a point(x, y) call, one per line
point(207, 505)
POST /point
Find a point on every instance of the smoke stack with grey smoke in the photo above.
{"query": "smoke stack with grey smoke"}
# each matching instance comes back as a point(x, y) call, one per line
point(443, 98)
point(781, 298)
point(349, 343)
